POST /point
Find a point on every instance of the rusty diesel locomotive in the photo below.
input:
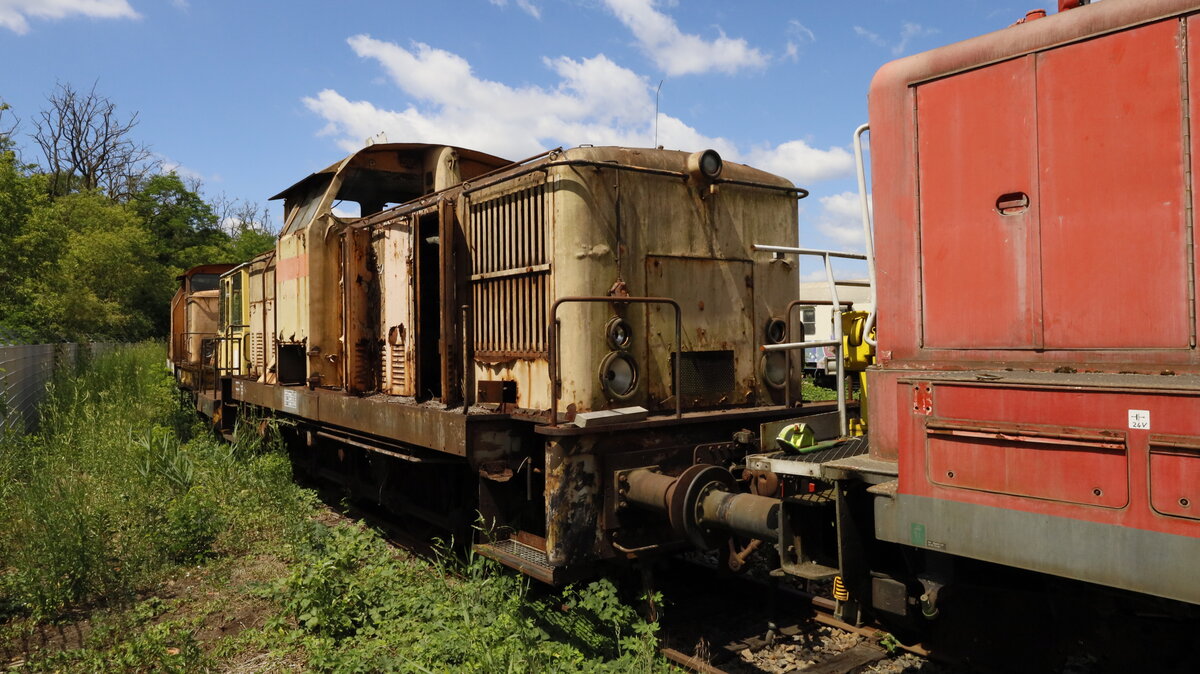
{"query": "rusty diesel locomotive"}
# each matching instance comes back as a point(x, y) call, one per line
point(593, 348)
point(513, 338)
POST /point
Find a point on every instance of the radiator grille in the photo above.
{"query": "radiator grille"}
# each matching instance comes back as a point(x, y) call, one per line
point(362, 366)
point(510, 271)
point(705, 373)
point(396, 379)
point(256, 351)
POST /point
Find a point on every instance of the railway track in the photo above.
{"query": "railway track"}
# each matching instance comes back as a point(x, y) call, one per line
point(784, 615)
point(741, 624)
point(714, 622)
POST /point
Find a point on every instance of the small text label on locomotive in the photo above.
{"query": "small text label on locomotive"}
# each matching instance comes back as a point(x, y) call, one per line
point(1139, 419)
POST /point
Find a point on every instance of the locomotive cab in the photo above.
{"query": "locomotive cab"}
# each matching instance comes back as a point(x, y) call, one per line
point(309, 300)
point(194, 323)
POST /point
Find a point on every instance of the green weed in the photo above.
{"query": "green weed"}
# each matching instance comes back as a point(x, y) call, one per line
point(122, 483)
point(123, 486)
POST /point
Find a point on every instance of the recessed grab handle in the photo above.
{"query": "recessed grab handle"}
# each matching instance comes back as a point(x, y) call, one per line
point(1013, 203)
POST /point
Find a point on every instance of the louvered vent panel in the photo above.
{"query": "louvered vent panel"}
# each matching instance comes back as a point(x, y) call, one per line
point(510, 272)
point(256, 351)
point(397, 370)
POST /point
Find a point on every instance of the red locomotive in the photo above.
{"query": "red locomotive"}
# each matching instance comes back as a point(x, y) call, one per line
point(1037, 378)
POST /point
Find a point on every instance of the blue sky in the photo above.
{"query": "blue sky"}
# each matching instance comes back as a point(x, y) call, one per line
point(251, 96)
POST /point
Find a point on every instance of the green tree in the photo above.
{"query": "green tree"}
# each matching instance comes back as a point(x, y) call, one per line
point(92, 242)
point(178, 219)
point(20, 195)
point(92, 270)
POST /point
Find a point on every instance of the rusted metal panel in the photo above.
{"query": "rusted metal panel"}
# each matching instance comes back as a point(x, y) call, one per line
point(582, 223)
point(201, 327)
point(573, 496)
point(397, 420)
point(360, 318)
point(979, 272)
point(427, 427)
point(1114, 201)
point(716, 297)
point(392, 242)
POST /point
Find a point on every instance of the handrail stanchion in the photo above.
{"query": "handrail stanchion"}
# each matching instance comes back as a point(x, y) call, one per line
point(837, 341)
point(553, 329)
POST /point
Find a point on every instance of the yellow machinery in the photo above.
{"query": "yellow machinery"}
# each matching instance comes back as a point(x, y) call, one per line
point(857, 355)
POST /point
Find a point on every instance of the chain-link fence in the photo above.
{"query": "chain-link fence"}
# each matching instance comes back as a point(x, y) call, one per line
point(26, 369)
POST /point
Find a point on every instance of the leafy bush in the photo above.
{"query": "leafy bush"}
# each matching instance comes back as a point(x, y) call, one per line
point(123, 486)
point(353, 604)
point(123, 482)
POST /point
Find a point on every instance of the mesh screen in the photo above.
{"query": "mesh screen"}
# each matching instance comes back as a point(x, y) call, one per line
point(703, 373)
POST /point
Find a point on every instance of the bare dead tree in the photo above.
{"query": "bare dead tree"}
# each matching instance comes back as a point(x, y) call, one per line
point(236, 215)
point(7, 129)
point(87, 145)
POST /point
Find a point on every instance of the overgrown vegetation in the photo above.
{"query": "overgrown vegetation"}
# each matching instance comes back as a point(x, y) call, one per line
point(122, 484)
point(126, 524)
point(95, 233)
point(810, 391)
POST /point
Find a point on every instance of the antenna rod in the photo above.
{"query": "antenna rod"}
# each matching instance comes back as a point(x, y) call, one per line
point(656, 93)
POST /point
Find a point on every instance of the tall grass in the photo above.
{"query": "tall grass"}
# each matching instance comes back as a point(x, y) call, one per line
point(121, 483)
point(352, 605)
point(124, 486)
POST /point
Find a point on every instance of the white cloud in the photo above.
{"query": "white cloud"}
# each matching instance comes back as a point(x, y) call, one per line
point(594, 101)
point(869, 36)
point(797, 33)
point(803, 163)
point(908, 32)
point(841, 220)
point(182, 171)
point(800, 31)
point(679, 53)
point(526, 6)
point(15, 14)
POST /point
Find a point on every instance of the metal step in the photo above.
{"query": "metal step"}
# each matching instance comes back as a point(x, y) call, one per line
point(810, 464)
point(811, 571)
point(524, 558)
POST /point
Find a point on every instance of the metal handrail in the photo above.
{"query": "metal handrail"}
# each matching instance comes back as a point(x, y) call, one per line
point(552, 329)
point(187, 353)
point(791, 308)
point(228, 368)
point(836, 342)
point(868, 230)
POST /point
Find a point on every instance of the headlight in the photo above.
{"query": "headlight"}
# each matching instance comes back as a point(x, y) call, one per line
point(776, 331)
point(618, 375)
point(618, 333)
point(705, 164)
point(773, 368)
